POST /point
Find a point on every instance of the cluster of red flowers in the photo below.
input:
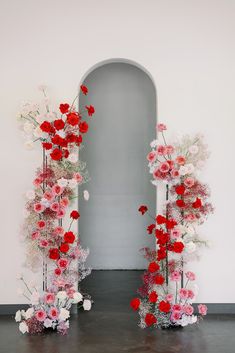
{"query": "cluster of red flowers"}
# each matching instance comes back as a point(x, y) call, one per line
point(66, 131)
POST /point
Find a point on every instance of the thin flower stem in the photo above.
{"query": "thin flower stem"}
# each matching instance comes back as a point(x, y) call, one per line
point(26, 285)
point(70, 225)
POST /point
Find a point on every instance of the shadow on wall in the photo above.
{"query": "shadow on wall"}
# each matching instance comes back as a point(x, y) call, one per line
point(125, 99)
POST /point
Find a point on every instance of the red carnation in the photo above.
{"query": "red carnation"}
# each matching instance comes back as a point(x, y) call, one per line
point(161, 254)
point(74, 214)
point(197, 203)
point(64, 108)
point(60, 141)
point(153, 267)
point(160, 219)
point(178, 247)
point(171, 223)
point(180, 189)
point(90, 110)
point(54, 254)
point(73, 118)
point(180, 203)
point(45, 126)
point(56, 154)
point(65, 153)
point(64, 247)
point(165, 307)
point(47, 145)
point(59, 124)
point(135, 303)
point(71, 138)
point(150, 319)
point(84, 89)
point(153, 297)
point(143, 209)
point(69, 237)
point(79, 140)
point(83, 127)
point(159, 279)
point(150, 228)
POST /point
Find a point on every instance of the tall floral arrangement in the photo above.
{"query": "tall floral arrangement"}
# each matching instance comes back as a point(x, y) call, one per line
point(169, 289)
point(52, 247)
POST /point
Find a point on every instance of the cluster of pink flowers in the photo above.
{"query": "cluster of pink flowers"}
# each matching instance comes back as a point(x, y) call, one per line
point(53, 248)
point(168, 291)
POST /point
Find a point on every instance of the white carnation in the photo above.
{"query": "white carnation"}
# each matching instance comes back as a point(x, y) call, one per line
point(23, 327)
point(77, 297)
point(18, 316)
point(48, 323)
point(87, 304)
point(61, 295)
point(64, 314)
point(29, 313)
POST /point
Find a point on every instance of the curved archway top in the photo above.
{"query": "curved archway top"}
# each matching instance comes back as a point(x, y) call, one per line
point(119, 60)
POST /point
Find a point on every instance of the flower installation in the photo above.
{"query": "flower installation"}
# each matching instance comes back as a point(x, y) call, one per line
point(53, 247)
point(169, 289)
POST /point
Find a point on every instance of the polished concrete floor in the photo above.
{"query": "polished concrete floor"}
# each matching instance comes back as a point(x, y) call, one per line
point(111, 327)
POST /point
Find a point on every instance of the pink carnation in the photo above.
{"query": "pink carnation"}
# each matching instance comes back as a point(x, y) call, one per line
point(164, 167)
point(49, 298)
point(78, 177)
point(175, 316)
point(169, 149)
point(60, 213)
point(161, 127)
point(48, 195)
point(37, 181)
point(43, 243)
point(169, 298)
point(35, 235)
point(38, 207)
point(64, 202)
point(189, 182)
point(174, 173)
point(202, 309)
point(188, 309)
point(41, 224)
point(190, 275)
point(53, 313)
point(180, 160)
point(40, 315)
point(183, 293)
point(57, 189)
point(175, 233)
point(175, 276)
point(59, 231)
point(161, 150)
point(152, 156)
point(55, 206)
point(176, 307)
point(191, 294)
point(63, 263)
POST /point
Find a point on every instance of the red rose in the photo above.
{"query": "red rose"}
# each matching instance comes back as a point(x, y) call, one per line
point(83, 127)
point(65, 153)
point(90, 110)
point(160, 219)
point(197, 203)
point(143, 209)
point(153, 267)
point(84, 89)
point(180, 203)
point(150, 319)
point(170, 223)
point(69, 237)
point(161, 254)
point(73, 118)
point(163, 239)
point(74, 214)
point(135, 303)
point(79, 140)
point(150, 228)
point(153, 297)
point(64, 247)
point(178, 247)
point(60, 141)
point(54, 254)
point(180, 189)
point(59, 124)
point(165, 307)
point(56, 154)
point(57, 271)
point(45, 126)
point(64, 108)
point(47, 145)
point(159, 279)
point(71, 138)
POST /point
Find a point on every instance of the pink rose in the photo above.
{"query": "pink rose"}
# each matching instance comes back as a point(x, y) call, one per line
point(161, 127)
point(60, 213)
point(62, 263)
point(78, 177)
point(169, 298)
point(40, 315)
point(41, 224)
point(64, 202)
point(202, 309)
point(188, 309)
point(43, 243)
point(189, 182)
point(53, 313)
point(157, 174)
point(48, 195)
point(37, 182)
point(180, 160)
point(57, 271)
point(174, 173)
point(175, 276)
point(169, 149)
point(49, 298)
point(152, 156)
point(161, 150)
point(57, 189)
point(164, 167)
point(176, 307)
point(190, 275)
point(71, 292)
point(59, 231)
point(183, 293)
point(175, 316)
point(38, 207)
point(190, 217)
point(55, 206)
point(35, 235)
point(175, 233)
point(191, 294)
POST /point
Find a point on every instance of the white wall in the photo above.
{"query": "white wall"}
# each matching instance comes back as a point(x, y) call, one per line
point(189, 48)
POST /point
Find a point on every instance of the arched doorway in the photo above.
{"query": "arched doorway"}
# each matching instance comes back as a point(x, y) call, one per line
point(124, 96)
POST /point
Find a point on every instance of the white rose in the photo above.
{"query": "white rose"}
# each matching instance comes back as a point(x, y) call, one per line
point(190, 247)
point(73, 157)
point(61, 295)
point(62, 182)
point(193, 149)
point(18, 316)
point(86, 195)
point(34, 299)
point(30, 194)
point(183, 170)
point(28, 127)
point(87, 304)
point(77, 297)
point(23, 327)
point(64, 314)
point(29, 145)
point(29, 313)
